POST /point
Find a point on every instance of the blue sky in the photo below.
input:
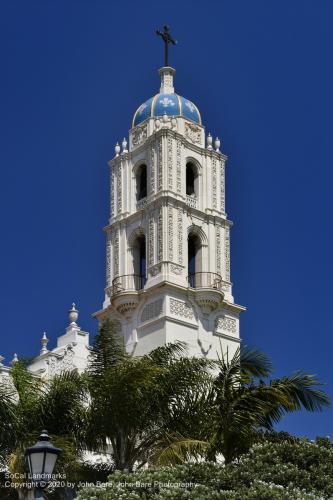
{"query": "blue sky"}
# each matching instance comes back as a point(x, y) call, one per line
point(72, 75)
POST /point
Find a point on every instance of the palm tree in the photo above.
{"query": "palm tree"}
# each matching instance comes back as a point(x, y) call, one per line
point(244, 403)
point(28, 405)
point(161, 408)
point(134, 400)
point(165, 407)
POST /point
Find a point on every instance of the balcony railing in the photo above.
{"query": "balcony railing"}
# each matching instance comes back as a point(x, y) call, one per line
point(205, 280)
point(140, 204)
point(191, 201)
point(128, 283)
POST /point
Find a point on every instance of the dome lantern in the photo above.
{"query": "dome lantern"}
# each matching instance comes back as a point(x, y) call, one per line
point(167, 74)
point(167, 102)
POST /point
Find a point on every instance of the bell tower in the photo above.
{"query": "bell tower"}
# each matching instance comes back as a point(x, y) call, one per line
point(168, 237)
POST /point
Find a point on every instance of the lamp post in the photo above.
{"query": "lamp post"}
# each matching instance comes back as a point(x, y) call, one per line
point(42, 458)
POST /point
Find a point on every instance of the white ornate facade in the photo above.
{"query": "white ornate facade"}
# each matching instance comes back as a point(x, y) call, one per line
point(71, 352)
point(168, 237)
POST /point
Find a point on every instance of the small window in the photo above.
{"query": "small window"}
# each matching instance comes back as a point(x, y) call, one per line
point(141, 182)
point(191, 179)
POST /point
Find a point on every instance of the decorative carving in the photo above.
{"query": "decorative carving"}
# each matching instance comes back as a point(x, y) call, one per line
point(214, 198)
point(170, 233)
point(160, 236)
point(112, 189)
point(139, 134)
point(61, 363)
point(167, 80)
point(170, 158)
point(116, 253)
point(119, 193)
point(180, 236)
point(191, 201)
point(208, 300)
point(226, 324)
point(176, 269)
point(193, 133)
point(152, 168)
point(152, 310)
point(181, 309)
point(127, 307)
point(153, 271)
point(140, 204)
point(218, 249)
point(222, 187)
point(160, 164)
point(151, 241)
point(108, 259)
point(178, 167)
point(227, 253)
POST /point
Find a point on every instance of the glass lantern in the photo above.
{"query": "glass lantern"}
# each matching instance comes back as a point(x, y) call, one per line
point(42, 458)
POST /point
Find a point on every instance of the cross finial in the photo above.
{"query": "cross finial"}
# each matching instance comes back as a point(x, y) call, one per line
point(167, 39)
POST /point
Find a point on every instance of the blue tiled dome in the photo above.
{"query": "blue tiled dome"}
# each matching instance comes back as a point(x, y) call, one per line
point(170, 104)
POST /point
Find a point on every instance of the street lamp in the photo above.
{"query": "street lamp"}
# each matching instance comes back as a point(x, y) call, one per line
point(42, 458)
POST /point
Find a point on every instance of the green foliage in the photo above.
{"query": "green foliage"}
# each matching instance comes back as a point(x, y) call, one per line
point(107, 349)
point(278, 470)
point(140, 405)
point(242, 404)
point(8, 420)
point(161, 409)
point(30, 405)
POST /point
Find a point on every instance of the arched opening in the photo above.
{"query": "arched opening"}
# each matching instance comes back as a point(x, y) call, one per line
point(191, 179)
point(141, 182)
point(139, 261)
point(194, 255)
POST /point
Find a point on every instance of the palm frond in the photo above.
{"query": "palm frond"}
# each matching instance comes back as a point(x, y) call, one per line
point(176, 449)
point(254, 362)
point(168, 352)
point(300, 391)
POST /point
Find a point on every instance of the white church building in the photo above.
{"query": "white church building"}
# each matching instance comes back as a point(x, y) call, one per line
point(167, 241)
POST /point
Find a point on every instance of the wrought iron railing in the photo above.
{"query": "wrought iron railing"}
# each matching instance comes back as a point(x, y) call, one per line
point(128, 283)
point(205, 280)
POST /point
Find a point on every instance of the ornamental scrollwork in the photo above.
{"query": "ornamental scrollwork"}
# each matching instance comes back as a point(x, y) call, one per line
point(152, 310)
point(226, 324)
point(227, 253)
point(170, 232)
point(176, 269)
point(218, 250)
point(193, 133)
point(139, 134)
point(214, 183)
point(181, 309)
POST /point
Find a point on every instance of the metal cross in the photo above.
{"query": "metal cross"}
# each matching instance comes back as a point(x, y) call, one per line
point(167, 39)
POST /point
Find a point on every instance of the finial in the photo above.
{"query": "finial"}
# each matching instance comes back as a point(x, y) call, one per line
point(217, 145)
point(124, 145)
point(165, 119)
point(209, 141)
point(117, 149)
point(73, 314)
point(14, 360)
point(44, 342)
point(167, 39)
point(1, 360)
